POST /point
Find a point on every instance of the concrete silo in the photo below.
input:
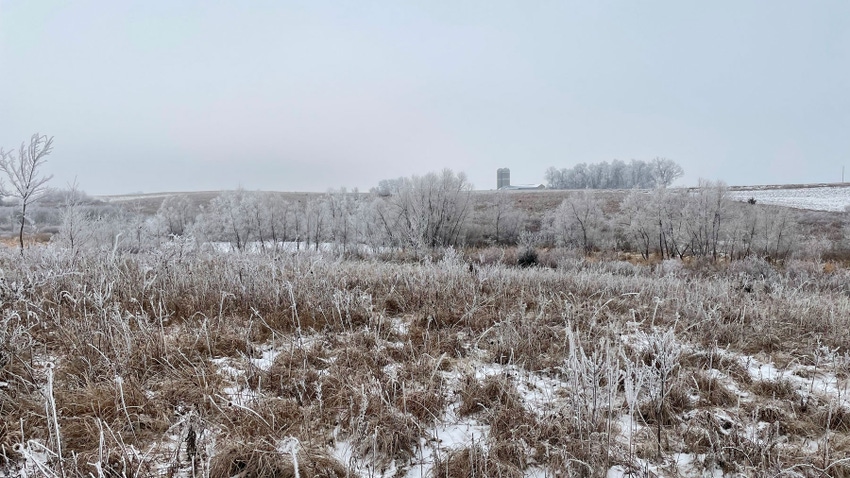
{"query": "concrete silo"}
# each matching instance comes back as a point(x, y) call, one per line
point(503, 178)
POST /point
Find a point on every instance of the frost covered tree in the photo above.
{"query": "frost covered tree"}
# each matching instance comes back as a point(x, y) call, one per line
point(369, 215)
point(177, 214)
point(276, 212)
point(75, 231)
point(706, 214)
point(141, 232)
point(578, 222)
point(659, 172)
point(22, 169)
point(316, 218)
point(342, 209)
point(665, 171)
point(227, 218)
point(505, 218)
point(426, 211)
point(653, 222)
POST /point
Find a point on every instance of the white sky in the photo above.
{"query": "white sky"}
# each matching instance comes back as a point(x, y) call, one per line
point(196, 95)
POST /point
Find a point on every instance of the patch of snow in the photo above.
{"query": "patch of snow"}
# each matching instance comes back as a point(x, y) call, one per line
point(538, 391)
point(238, 396)
point(535, 473)
point(233, 394)
point(400, 326)
point(627, 426)
point(266, 360)
point(689, 464)
point(35, 455)
point(452, 434)
point(459, 434)
point(226, 369)
point(727, 382)
point(762, 371)
point(820, 382)
point(616, 471)
point(811, 446)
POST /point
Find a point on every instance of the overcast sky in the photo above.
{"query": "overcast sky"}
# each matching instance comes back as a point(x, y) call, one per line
point(181, 95)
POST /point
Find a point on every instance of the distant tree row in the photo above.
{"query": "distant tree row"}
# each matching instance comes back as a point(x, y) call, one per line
point(636, 174)
point(425, 212)
point(421, 213)
point(438, 210)
point(667, 223)
point(269, 220)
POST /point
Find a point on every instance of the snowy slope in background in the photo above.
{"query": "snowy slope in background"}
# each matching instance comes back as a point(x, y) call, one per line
point(829, 198)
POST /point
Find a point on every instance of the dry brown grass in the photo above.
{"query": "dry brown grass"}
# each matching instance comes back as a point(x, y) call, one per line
point(263, 459)
point(776, 390)
point(490, 394)
point(475, 461)
point(378, 354)
point(713, 392)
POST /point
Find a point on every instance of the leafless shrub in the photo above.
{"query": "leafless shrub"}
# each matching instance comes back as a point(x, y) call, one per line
point(754, 269)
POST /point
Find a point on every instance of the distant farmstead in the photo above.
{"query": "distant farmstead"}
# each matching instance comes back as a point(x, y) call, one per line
point(503, 181)
point(524, 186)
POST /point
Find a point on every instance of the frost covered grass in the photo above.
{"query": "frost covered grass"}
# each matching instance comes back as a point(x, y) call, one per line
point(184, 362)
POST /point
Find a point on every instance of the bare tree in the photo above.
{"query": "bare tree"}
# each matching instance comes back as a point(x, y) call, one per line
point(659, 172)
point(227, 218)
point(342, 208)
point(177, 213)
point(636, 229)
point(75, 232)
point(22, 169)
point(316, 218)
point(654, 222)
point(277, 211)
point(505, 218)
point(706, 213)
point(578, 221)
point(665, 171)
point(426, 211)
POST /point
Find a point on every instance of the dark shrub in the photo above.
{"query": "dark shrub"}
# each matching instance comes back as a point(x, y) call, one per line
point(528, 258)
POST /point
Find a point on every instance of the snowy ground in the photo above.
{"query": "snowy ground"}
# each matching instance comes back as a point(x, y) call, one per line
point(827, 198)
point(540, 394)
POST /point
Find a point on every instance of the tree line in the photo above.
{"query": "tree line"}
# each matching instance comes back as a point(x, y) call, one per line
point(421, 213)
point(439, 210)
point(674, 223)
point(435, 210)
point(636, 174)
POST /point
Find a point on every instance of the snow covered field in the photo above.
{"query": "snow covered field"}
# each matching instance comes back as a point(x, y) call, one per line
point(827, 198)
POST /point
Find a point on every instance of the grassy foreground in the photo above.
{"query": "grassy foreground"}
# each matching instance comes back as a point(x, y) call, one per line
point(183, 362)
